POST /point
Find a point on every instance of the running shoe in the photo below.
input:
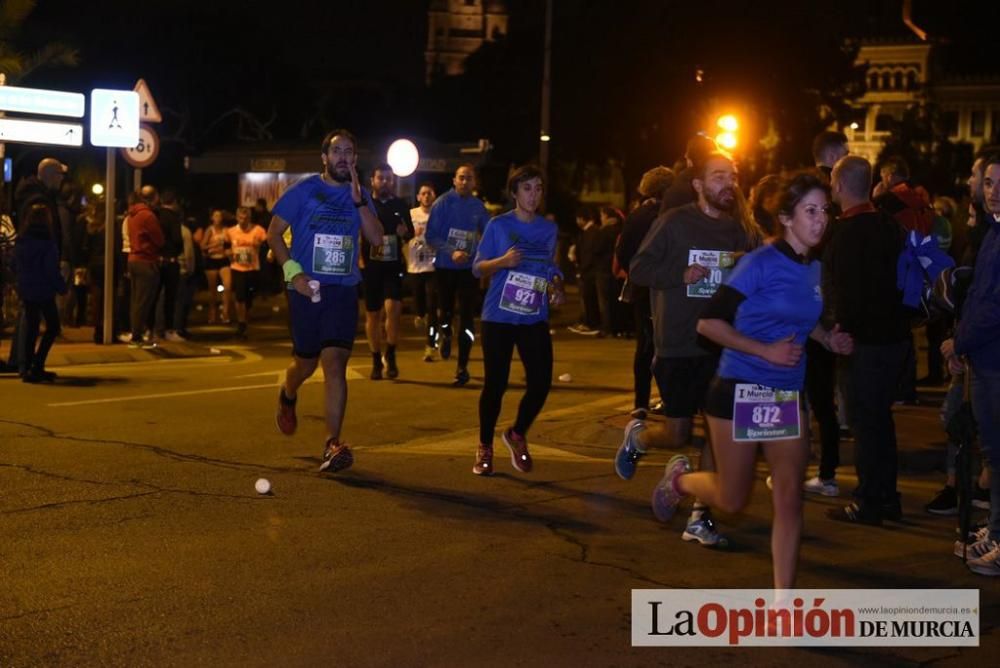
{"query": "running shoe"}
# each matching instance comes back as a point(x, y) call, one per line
point(484, 460)
point(430, 352)
point(976, 545)
point(703, 530)
point(989, 563)
point(639, 413)
point(461, 376)
point(665, 497)
point(520, 459)
point(284, 417)
point(445, 347)
point(817, 485)
point(174, 336)
point(628, 455)
point(336, 457)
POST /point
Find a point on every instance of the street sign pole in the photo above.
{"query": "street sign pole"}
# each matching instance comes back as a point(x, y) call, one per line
point(109, 248)
point(137, 179)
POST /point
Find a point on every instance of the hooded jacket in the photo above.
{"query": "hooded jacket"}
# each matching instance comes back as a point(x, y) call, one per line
point(144, 233)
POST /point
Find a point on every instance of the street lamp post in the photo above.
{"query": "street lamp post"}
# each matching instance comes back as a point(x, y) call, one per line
point(544, 137)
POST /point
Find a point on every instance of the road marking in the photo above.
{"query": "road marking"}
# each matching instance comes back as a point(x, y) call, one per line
point(351, 375)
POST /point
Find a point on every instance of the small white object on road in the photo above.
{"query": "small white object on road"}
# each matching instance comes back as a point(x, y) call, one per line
point(263, 486)
point(566, 378)
point(552, 332)
point(215, 351)
point(275, 308)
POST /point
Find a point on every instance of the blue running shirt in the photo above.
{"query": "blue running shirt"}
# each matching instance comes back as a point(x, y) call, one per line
point(325, 228)
point(782, 297)
point(519, 295)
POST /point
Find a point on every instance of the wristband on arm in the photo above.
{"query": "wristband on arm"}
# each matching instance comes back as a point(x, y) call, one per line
point(291, 268)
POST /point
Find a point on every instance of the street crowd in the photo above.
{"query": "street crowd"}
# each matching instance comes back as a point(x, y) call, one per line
point(765, 314)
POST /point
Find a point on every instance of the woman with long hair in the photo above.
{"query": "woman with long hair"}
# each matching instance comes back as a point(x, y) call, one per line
point(761, 317)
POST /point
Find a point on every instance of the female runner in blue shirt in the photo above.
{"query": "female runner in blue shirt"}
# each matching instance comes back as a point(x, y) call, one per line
point(517, 252)
point(762, 316)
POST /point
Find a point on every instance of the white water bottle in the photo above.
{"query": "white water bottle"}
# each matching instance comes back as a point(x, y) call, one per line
point(314, 286)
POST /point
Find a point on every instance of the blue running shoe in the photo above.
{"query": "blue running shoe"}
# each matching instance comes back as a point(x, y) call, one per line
point(628, 455)
point(665, 499)
point(703, 530)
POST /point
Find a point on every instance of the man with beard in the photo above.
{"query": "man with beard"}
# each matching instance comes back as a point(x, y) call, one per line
point(383, 271)
point(683, 260)
point(325, 212)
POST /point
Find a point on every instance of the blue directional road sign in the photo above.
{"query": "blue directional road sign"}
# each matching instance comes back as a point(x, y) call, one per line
point(41, 101)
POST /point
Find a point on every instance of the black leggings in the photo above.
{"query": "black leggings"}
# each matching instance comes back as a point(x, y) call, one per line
point(534, 347)
point(34, 360)
point(459, 283)
point(425, 301)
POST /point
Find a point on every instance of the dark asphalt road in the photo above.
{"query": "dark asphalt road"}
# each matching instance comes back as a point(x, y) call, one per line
point(132, 534)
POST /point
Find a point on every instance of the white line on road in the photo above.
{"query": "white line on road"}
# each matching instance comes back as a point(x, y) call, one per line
point(351, 375)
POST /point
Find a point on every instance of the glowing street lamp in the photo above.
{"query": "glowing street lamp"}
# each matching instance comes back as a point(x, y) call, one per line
point(97, 189)
point(726, 140)
point(403, 157)
point(728, 123)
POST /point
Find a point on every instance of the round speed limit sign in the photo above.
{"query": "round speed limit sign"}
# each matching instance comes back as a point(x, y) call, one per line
point(144, 153)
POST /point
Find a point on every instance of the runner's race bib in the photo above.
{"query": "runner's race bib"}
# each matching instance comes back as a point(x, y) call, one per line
point(463, 240)
point(523, 293)
point(388, 251)
point(333, 254)
point(243, 255)
point(762, 413)
point(718, 263)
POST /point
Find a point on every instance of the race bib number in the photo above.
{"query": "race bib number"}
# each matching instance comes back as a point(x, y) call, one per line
point(764, 414)
point(718, 263)
point(333, 254)
point(388, 251)
point(523, 293)
point(243, 255)
point(421, 255)
point(463, 240)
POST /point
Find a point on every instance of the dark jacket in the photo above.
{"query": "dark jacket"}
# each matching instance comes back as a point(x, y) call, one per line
point(36, 261)
point(860, 267)
point(31, 191)
point(173, 241)
point(978, 332)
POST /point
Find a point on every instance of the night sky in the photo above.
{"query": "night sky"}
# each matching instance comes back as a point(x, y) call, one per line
point(623, 82)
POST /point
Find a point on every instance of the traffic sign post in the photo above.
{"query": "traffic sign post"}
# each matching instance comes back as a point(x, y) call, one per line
point(109, 248)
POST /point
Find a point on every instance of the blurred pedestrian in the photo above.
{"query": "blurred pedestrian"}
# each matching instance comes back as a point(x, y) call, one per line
point(39, 280)
point(420, 270)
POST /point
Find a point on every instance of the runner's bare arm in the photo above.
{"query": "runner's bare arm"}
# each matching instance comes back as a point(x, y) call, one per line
point(276, 241)
point(784, 352)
